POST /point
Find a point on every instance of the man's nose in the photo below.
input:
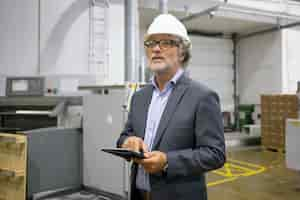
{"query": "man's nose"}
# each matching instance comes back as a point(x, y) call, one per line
point(156, 48)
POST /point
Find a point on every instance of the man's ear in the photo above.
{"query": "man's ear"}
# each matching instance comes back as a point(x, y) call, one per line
point(181, 54)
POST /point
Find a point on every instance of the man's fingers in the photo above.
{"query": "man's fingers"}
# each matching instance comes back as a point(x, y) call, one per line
point(126, 144)
point(135, 144)
point(150, 154)
point(144, 147)
point(146, 155)
point(148, 161)
point(145, 161)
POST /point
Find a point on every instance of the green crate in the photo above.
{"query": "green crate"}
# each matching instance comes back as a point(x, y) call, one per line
point(245, 114)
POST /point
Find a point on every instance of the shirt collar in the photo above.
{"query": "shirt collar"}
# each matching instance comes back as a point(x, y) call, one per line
point(173, 80)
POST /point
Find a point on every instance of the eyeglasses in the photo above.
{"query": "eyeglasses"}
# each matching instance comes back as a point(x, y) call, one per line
point(163, 44)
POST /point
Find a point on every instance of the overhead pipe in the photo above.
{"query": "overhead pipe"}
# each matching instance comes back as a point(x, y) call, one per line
point(203, 12)
point(205, 33)
point(236, 98)
point(199, 14)
point(39, 38)
point(163, 6)
point(131, 40)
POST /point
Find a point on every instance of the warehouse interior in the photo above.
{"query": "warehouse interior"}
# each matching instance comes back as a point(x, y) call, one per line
point(68, 71)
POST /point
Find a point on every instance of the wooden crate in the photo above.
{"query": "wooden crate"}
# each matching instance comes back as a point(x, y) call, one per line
point(275, 110)
point(12, 188)
point(13, 162)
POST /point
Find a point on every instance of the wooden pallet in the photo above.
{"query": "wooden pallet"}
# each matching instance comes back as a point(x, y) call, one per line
point(273, 149)
point(13, 162)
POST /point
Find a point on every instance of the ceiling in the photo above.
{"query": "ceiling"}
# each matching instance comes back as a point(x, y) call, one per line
point(225, 25)
point(224, 20)
point(207, 23)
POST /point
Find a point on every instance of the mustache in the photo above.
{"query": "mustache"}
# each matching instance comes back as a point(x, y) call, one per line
point(157, 57)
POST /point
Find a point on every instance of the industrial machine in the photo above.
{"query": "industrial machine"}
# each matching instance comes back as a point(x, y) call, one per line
point(50, 148)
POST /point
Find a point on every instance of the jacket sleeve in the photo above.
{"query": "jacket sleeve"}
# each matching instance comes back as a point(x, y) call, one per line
point(128, 129)
point(209, 151)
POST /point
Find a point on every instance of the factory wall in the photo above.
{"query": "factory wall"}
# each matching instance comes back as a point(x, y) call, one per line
point(64, 37)
point(290, 59)
point(212, 64)
point(59, 32)
point(18, 37)
point(268, 64)
point(259, 67)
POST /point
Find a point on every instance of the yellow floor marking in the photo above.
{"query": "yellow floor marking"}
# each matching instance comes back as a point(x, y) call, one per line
point(244, 163)
point(246, 170)
point(229, 171)
point(225, 171)
point(259, 168)
point(210, 184)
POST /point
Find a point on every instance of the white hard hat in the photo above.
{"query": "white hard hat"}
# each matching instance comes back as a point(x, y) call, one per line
point(168, 24)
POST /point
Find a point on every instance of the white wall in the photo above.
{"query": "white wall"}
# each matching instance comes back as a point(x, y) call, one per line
point(65, 40)
point(64, 37)
point(291, 59)
point(259, 67)
point(212, 65)
point(18, 37)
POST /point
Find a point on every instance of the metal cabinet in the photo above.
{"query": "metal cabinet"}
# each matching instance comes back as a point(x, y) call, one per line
point(293, 143)
point(104, 118)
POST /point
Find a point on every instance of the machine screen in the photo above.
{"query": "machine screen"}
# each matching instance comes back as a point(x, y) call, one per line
point(20, 85)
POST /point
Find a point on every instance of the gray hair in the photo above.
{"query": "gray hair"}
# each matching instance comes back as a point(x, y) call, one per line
point(186, 50)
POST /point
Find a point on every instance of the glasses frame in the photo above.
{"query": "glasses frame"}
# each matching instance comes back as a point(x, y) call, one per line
point(169, 43)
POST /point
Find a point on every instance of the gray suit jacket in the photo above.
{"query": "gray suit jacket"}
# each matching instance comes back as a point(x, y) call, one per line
point(190, 132)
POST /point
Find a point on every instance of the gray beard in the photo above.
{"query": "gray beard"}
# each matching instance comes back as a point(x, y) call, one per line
point(162, 71)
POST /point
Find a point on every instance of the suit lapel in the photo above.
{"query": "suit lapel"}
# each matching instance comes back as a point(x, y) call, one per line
point(173, 100)
point(145, 106)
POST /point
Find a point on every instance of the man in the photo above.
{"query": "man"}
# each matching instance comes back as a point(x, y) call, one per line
point(175, 121)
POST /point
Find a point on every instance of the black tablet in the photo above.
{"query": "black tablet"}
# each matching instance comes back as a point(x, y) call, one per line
point(124, 153)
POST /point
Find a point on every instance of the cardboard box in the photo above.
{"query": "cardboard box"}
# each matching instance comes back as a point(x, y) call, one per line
point(275, 110)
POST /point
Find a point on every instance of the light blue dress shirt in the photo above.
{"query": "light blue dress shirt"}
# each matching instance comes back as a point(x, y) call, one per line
point(156, 108)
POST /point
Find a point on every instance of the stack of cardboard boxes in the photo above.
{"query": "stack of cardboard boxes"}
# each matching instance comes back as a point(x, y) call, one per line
point(275, 110)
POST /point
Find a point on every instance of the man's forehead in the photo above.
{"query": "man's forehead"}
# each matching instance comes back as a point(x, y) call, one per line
point(162, 36)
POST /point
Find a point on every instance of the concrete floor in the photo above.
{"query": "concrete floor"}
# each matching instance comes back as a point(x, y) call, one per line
point(273, 180)
point(250, 174)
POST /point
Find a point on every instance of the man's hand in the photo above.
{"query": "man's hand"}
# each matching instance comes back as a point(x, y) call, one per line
point(135, 144)
point(154, 162)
